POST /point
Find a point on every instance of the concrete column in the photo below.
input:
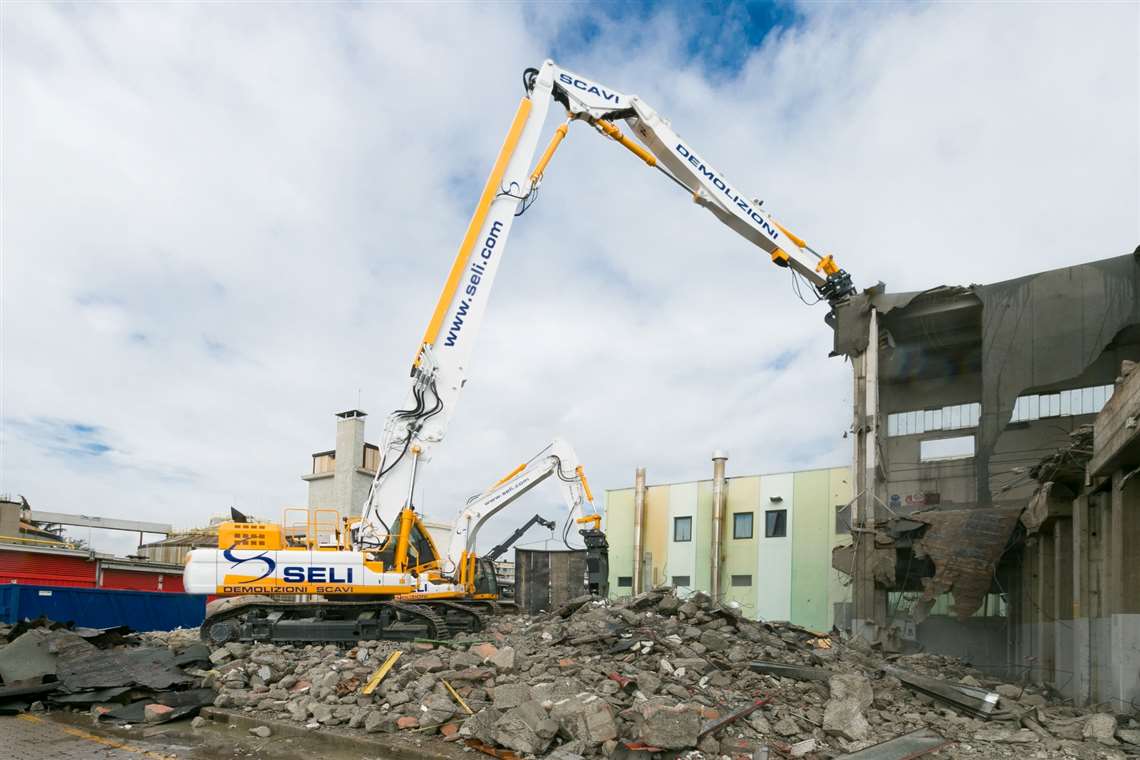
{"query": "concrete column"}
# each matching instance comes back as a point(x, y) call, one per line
point(1063, 605)
point(1122, 660)
point(1027, 617)
point(349, 456)
point(1129, 602)
point(1114, 595)
point(1044, 609)
point(869, 603)
point(1080, 616)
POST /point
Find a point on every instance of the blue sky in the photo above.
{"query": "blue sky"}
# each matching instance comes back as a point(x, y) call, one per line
point(716, 36)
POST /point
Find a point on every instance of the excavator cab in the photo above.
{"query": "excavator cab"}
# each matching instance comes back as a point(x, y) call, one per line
point(486, 583)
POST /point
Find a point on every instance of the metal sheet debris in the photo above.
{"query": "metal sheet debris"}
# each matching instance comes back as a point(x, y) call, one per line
point(790, 671)
point(724, 720)
point(972, 700)
point(111, 694)
point(905, 747)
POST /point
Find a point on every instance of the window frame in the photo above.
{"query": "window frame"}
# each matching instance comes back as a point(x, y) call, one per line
point(769, 528)
point(686, 520)
point(751, 525)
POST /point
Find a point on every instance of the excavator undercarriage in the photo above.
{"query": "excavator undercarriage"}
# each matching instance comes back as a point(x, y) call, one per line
point(285, 619)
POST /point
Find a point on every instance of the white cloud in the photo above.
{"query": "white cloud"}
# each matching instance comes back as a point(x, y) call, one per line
point(220, 222)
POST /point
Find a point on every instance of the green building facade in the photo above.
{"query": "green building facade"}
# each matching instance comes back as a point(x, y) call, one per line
point(777, 537)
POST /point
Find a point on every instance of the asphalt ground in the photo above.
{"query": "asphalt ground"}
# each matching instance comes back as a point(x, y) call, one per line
point(226, 736)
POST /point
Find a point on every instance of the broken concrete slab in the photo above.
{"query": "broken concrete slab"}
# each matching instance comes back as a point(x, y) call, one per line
point(37, 653)
point(526, 728)
point(675, 727)
point(150, 667)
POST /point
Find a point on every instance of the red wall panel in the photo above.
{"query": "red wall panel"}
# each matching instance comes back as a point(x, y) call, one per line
point(132, 580)
point(136, 580)
point(46, 569)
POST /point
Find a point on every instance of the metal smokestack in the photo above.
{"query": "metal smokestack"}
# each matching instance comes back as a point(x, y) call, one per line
point(638, 523)
point(719, 493)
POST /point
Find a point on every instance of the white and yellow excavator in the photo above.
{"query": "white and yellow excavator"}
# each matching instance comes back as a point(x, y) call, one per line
point(381, 575)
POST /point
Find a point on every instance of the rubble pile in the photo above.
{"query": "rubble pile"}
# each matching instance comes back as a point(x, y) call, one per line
point(119, 676)
point(658, 673)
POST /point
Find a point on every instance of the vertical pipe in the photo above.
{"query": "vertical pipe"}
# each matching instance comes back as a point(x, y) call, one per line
point(638, 522)
point(719, 457)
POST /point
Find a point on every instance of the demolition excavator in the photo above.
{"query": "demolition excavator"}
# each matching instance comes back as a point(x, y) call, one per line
point(381, 575)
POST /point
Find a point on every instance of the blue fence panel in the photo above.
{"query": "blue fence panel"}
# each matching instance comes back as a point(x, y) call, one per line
point(102, 608)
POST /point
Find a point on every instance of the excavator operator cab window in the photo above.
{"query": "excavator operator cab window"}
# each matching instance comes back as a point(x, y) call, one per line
point(485, 580)
point(385, 554)
point(419, 548)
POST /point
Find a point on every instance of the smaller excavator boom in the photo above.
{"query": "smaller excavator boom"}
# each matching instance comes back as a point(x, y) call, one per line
point(501, 549)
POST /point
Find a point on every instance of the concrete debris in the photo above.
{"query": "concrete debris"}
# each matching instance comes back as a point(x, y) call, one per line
point(655, 673)
point(1101, 728)
point(844, 714)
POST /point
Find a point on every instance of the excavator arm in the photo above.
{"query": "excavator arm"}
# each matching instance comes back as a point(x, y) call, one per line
point(663, 149)
point(501, 549)
point(556, 460)
point(439, 366)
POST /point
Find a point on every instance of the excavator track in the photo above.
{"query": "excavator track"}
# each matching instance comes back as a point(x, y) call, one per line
point(460, 616)
point(266, 620)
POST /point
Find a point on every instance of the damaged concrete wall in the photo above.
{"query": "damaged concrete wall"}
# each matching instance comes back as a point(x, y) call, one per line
point(989, 344)
point(1046, 329)
point(1068, 574)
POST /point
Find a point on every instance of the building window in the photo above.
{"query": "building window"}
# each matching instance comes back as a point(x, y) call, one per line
point(842, 516)
point(741, 580)
point(776, 523)
point(937, 449)
point(682, 529)
point(681, 581)
point(324, 462)
point(1035, 406)
point(625, 581)
point(742, 525)
point(371, 457)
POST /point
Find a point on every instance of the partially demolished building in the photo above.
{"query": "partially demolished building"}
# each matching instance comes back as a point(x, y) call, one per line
point(983, 488)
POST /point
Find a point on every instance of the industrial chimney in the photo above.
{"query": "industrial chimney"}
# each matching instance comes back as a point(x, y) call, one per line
point(719, 495)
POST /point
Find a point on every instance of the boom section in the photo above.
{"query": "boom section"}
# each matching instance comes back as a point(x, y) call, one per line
point(440, 365)
point(599, 105)
point(556, 459)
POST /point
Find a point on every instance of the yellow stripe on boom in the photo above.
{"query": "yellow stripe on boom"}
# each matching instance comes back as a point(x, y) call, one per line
point(490, 190)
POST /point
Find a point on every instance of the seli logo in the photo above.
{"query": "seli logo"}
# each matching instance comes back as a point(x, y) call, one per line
point(270, 564)
point(589, 87)
point(293, 573)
